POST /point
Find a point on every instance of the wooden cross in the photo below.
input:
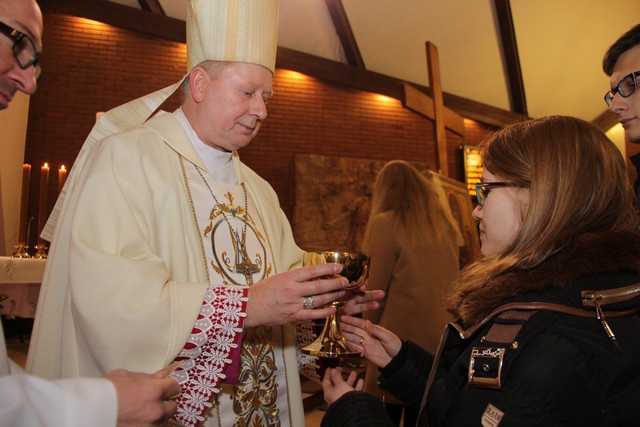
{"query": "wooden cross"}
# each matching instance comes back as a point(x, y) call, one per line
point(433, 108)
point(438, 108)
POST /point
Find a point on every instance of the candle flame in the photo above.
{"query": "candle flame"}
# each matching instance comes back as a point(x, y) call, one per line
point(62, 168)
point(46, 165)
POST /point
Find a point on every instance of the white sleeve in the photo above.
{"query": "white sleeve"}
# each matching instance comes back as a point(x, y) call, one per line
point(30, 401)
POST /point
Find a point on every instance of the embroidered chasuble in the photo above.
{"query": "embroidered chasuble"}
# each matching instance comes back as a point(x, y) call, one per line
point(238, 253)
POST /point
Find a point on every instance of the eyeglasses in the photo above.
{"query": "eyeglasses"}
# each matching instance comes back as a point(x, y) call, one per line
point(24, 49)
point(625, 88)
point(483, 188)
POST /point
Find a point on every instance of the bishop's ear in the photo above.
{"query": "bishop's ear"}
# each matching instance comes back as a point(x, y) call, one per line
point(198, 79)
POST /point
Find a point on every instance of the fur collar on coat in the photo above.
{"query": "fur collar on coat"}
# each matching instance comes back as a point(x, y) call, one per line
point(592, 255)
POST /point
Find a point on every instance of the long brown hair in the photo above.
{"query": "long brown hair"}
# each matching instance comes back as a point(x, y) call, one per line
point(578, 185)
point(402, 191)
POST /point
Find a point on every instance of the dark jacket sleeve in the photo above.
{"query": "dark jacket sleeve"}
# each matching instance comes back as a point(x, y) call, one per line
point(406, 375)
point(356, 409)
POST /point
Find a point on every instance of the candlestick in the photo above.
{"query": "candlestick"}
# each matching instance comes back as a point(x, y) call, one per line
point(62, 177)
point(24, 204)
point(33, 218)
point(42, 207)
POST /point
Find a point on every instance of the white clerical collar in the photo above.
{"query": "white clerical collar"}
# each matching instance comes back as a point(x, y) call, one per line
point(219, 163)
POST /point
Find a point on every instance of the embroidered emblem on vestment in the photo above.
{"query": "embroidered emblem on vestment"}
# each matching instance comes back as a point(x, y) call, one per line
point(232, 257)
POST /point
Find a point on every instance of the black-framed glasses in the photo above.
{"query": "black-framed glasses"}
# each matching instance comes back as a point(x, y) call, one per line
point(625, 88)
point(483, 188)
point(24, 49)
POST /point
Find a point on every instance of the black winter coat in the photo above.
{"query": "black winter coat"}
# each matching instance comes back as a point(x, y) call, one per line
point(565, 370)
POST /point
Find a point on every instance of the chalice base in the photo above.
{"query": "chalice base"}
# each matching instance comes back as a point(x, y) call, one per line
point(330, 343)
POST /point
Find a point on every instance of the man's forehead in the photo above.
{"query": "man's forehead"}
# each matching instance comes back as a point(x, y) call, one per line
point(24, 16)
point(627, 63)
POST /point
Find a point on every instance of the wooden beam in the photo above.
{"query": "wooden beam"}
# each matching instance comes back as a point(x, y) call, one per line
point(511, 57)
point(433, 61)
point(345, 34)
point(338, 72)
point(152, 6)
point(118, 15)
point(606, 120)
point(422, 104)
point(344, 74)
point(480, 112)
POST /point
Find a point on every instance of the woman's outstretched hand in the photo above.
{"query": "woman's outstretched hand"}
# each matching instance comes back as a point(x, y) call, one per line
point(377, 344)
point(334, 386)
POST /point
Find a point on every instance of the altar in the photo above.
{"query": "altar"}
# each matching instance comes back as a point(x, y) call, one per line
point(20, 286)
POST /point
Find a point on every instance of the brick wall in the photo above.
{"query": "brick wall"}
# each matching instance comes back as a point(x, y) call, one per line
point(90, 67)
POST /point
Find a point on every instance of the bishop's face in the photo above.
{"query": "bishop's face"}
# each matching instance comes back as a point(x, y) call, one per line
point(233, 105)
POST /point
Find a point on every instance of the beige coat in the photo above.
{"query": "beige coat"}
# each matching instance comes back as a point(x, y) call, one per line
point(416, 281)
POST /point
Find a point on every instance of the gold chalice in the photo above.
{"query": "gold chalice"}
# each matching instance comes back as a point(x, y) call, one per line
point(355, 267)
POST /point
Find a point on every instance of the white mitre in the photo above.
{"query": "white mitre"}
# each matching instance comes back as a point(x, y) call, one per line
point(235, 30)
point(217, 30)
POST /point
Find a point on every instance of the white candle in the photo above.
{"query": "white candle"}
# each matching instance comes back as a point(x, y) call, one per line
point(62, 177)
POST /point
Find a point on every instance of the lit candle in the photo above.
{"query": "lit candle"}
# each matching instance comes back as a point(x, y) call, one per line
point(24, 204)
point(62, 177)
point(42, 207)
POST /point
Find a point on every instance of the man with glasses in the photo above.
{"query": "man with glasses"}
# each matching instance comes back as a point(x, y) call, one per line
point(20, 42)
point(622, 64)
point(125, 398)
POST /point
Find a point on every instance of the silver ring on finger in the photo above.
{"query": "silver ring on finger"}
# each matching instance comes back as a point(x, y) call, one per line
point(308, 303)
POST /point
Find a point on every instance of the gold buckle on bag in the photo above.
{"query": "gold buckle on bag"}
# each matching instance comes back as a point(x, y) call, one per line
point(485, 367)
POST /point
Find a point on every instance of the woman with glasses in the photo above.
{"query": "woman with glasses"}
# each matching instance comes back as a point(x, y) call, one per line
point(548, 320)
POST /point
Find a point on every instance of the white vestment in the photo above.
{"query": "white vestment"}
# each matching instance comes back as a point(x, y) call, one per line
point(29, 401)
point(127, 279)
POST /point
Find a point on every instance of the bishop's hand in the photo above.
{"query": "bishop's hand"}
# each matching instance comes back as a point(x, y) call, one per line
point(300, 294)
point(362, 301)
